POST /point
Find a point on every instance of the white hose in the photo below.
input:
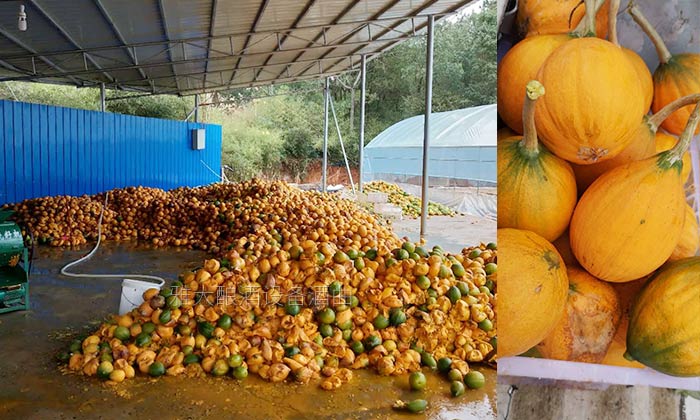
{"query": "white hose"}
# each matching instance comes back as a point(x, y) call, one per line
point(65, 268)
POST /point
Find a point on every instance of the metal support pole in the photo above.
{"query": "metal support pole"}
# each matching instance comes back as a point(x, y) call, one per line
point(363, 90)
point(326, 96)
point(196, 108)
point(426, 125)
point(103, 97)
point(342, 147)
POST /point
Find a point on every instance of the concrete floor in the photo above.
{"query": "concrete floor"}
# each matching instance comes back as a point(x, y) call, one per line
point(451, 233)
point(532, 401)
point(31, 385)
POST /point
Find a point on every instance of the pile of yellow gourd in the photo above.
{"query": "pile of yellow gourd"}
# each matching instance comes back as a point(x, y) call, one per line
point(410, 205)
point(306, 310)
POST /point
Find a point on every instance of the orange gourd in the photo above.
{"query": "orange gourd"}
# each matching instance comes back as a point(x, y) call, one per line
point(630, 219)
point(646, 142)
point(676, 76)
point(589, 323)
point(536, 189)
point(531, 276)
point(591, 118)
point(627, 294)
point(689, 242)
point(643, 73)
point(544, 17)
point(520, 65)
point(664, 332)
point(644, 76)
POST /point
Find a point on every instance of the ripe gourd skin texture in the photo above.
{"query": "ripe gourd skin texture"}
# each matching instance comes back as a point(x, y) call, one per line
point(627, 294)
point(645, 77)
point(537, 17)
point(519, 66)
point(689, 242)
point(628, 222)
point(589, 323)
point(594, 101)
point(531, 275)
point(664, 333)
point(677, 78)
point(641, 147)
point(536, 192)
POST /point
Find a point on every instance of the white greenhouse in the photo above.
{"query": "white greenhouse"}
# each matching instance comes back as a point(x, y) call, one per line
point(462, 149)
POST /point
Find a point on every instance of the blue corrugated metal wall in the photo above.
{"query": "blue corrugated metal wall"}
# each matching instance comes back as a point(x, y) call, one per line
point(50, 150)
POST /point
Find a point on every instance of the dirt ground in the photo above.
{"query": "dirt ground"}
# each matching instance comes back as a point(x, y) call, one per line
point(32, 387)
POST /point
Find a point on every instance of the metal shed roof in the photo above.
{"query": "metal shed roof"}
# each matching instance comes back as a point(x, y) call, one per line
point(192, 46)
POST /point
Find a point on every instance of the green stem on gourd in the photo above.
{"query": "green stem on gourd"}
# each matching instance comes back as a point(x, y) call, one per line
point(654, 121)
point(533, 91)
point(586, 27)
point(668, 159)
point(661, 49)
point(612, 21)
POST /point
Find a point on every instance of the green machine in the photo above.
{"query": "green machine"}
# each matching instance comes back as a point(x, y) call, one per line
point(14, 266)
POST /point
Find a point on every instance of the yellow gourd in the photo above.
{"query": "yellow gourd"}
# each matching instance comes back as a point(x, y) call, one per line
point(689, 242)
point(531, 277)
point(664, 332)
point(589, 323)
point(536, 189)
point(628, 222)
point(646, 142)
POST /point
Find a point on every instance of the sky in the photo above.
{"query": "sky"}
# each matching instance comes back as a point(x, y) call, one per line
point(474, 7)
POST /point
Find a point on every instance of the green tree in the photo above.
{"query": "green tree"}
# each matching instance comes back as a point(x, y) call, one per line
point(479, 58)
point(298, 151)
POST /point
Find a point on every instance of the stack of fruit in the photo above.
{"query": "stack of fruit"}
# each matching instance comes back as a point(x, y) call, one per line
point(410, 205)
point(209, 218)
point(591, 201)
point(305, 309)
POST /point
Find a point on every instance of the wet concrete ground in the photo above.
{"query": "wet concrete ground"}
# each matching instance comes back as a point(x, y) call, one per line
point(31, 385)
point(451, 233)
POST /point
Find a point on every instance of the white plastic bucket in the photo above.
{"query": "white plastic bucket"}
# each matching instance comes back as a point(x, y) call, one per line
point(132, 294)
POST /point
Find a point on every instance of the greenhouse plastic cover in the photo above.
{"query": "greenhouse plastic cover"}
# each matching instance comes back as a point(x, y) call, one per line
point(462, 146)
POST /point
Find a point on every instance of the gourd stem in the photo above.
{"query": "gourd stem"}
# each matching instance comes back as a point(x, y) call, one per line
point(661, 49)
point(612, 21)
point(684, 142)
point(586, 27)
point(655, 120)
point(533, 90)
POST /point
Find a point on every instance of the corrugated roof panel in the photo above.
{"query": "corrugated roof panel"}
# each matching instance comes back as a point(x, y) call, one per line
point(42, 37)
point(281, 14)
point(235, 16)
point(138, 21)
point(80, 19)
point(393, 8)
point(174, 36)
point(323, 12)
